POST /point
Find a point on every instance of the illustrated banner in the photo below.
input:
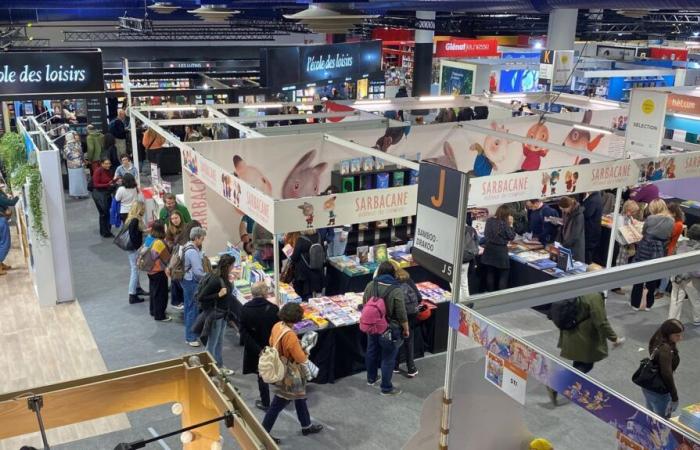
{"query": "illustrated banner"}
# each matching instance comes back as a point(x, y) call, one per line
point(671, 167)
point(626, 418)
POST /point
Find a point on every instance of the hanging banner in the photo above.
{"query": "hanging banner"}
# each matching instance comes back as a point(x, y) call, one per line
point(466, 48)
point(241, 195)
point(671, 167)
point(628, 419)
point(645, 126)
point(439, 197)
point(351, 207)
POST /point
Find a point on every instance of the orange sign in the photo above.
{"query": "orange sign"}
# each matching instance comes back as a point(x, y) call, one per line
point(683, 104)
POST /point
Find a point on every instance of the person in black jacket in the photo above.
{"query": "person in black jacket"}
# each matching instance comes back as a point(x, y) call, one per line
point(541, 229)
point(495, 260)
point(213, 302)
point(573, 227)
point(592, 214)
point(134, 222)
point(412, 298)
point(258, 316)
point(307, 281)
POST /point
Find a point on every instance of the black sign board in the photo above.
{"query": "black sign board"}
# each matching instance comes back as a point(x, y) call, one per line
point(32, 73)
point(437, 231)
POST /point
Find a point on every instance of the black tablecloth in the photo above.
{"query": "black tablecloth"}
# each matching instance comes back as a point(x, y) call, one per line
point(338, 282)
point(340, 351)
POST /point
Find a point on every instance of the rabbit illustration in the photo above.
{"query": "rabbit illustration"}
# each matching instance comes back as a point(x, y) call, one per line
point(491, 153)
point(447, 159)
point(581, 139)
point(303, 180)
point(534, 154)
point(251, 175)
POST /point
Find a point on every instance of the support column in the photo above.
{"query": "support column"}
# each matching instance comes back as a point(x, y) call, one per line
point(423, 56)
point(561, 30)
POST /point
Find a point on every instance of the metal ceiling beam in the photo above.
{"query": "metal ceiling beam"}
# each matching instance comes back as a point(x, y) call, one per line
point(573, 286)
point(173, 34)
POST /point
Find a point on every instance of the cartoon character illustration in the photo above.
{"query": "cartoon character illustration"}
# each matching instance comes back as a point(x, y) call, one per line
point(448, 157)
point(329, 205)
point(598, 402)
point(307, 209)
point(671, 169)
point(574, 392)
point(570, 178)
point(585, 398)
point(553, 180)
point(491, 153)
point(303, 180)
point(545, 182)
point(534, 154)
point(251, 175)
point(392, 136)
point(581, 139)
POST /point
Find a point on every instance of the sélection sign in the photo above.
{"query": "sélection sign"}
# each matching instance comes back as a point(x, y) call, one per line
point(436, 236)
point(466, 48)
point(556, 66)
point(645, 126)
point(26, 73)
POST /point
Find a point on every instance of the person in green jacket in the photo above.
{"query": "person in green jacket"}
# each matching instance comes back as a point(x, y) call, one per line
point(95, 147)
point(170, 205)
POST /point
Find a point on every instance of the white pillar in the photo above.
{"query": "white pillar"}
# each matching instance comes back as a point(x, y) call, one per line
point(561, 30)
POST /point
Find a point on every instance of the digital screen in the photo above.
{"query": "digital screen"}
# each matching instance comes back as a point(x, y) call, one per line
point(518, 80)
point(456, 80)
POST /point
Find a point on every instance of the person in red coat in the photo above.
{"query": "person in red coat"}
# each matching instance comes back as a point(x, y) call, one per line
point(102, 195)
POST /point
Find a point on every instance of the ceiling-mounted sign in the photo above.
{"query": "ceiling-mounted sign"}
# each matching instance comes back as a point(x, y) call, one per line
point(683, 104)
point(31, 73)
point(327, 62)
point(466, 48)
point(645, 126)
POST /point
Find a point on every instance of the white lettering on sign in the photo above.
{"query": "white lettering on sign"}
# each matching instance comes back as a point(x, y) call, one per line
point(314, 64)
point(51, 74)
point(611, 174)
point(380, 202)
point(451, 46)
point(681, 103)
point(505, 186)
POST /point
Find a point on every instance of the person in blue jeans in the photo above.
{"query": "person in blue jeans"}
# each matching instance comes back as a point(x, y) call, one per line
point(664, 351)
point(194, 272)
point(383, 348)
point(134, 223)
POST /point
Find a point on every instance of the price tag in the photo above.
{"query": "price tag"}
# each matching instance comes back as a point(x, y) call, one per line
point(506, 376)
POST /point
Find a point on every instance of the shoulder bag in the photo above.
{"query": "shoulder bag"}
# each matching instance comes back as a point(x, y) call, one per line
point(648, 375)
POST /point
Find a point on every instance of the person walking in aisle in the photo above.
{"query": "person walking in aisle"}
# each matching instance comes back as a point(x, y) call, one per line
point(307, 281)
point(117, 128)
point(5, 238)
point(194, 272)
point(687, 284)
point(73, 153)
point(134, 223)
point(157, 280)
point(126, 195)
point(101, 194)
point(288, 345)
point(542, 229)
point(258, 316)
point(381, 351)
point(663, 350)
point(656, 233)
point(573, 228)
point(95, 147)
point(495, 260)
point(213, 299)
point(411, 298)
point(592, 215)
point(171, 204)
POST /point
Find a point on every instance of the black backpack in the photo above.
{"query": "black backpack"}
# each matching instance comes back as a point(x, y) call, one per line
point(410, 299)
point(471, 246)
point(565, 313)
point(317, 255)
point(199, 293)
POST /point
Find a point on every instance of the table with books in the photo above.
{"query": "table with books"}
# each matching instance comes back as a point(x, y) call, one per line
point(533, 264)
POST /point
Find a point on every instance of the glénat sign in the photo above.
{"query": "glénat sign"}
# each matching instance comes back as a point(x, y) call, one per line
point(27, 73)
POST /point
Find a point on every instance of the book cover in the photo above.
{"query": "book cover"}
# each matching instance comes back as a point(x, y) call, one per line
point(366, 182)
point(355, 165)
point(380, 253)
point(379, 164)
point(348, 184)
point(345, 167)
point(382, 180)
point(413, 177)
point(368, 164)
point(363, 254)
point(399, 178)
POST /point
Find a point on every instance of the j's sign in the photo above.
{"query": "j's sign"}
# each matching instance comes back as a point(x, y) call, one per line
point(27, 73)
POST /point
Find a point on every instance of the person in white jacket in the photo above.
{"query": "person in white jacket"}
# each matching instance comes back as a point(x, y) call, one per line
point(687, 284)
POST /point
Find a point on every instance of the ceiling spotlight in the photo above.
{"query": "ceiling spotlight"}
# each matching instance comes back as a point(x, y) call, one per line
point(537, 45)
point(696, 33)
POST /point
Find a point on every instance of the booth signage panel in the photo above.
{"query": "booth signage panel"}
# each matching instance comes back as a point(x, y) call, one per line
point(674, 54)
point(439, 198)
point(326, 62)
point(563, 67)
point(466, 48)
point(645, 127)
point(669, 167)
point(684, 104)
point(546, 65)
point(27, 73)
point(351, 207)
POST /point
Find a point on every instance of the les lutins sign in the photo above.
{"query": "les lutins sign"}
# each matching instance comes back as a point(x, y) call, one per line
point(27, 73)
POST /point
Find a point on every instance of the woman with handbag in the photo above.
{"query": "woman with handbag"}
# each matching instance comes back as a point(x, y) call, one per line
point(293, 386)
point(134, 226)
point(657, 383)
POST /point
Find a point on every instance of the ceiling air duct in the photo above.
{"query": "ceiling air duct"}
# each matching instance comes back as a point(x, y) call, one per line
point(325, 19)
point(214, 13)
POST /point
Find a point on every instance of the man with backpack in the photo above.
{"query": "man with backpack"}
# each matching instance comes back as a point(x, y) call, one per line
point(309, 260)
point(411, 299)
point(193, 274)
point(385, 321)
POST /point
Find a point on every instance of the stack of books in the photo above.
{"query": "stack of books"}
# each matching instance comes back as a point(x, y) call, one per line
point(432, 292)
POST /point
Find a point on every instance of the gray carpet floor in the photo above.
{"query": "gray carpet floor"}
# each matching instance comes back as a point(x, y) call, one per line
point(354, 414)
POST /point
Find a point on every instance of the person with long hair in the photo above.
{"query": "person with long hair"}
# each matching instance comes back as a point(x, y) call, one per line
point(630, 213)
point(307, 281)
point(678, 221)
point(214, 301)
point(135, 225)
point(73, 153)
point(656, 233)
point(663, 351)
point(126, 194)
point(288, 345)
point(573, 227)
point(495, 260)
point(157, 280)
point(175, 226)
